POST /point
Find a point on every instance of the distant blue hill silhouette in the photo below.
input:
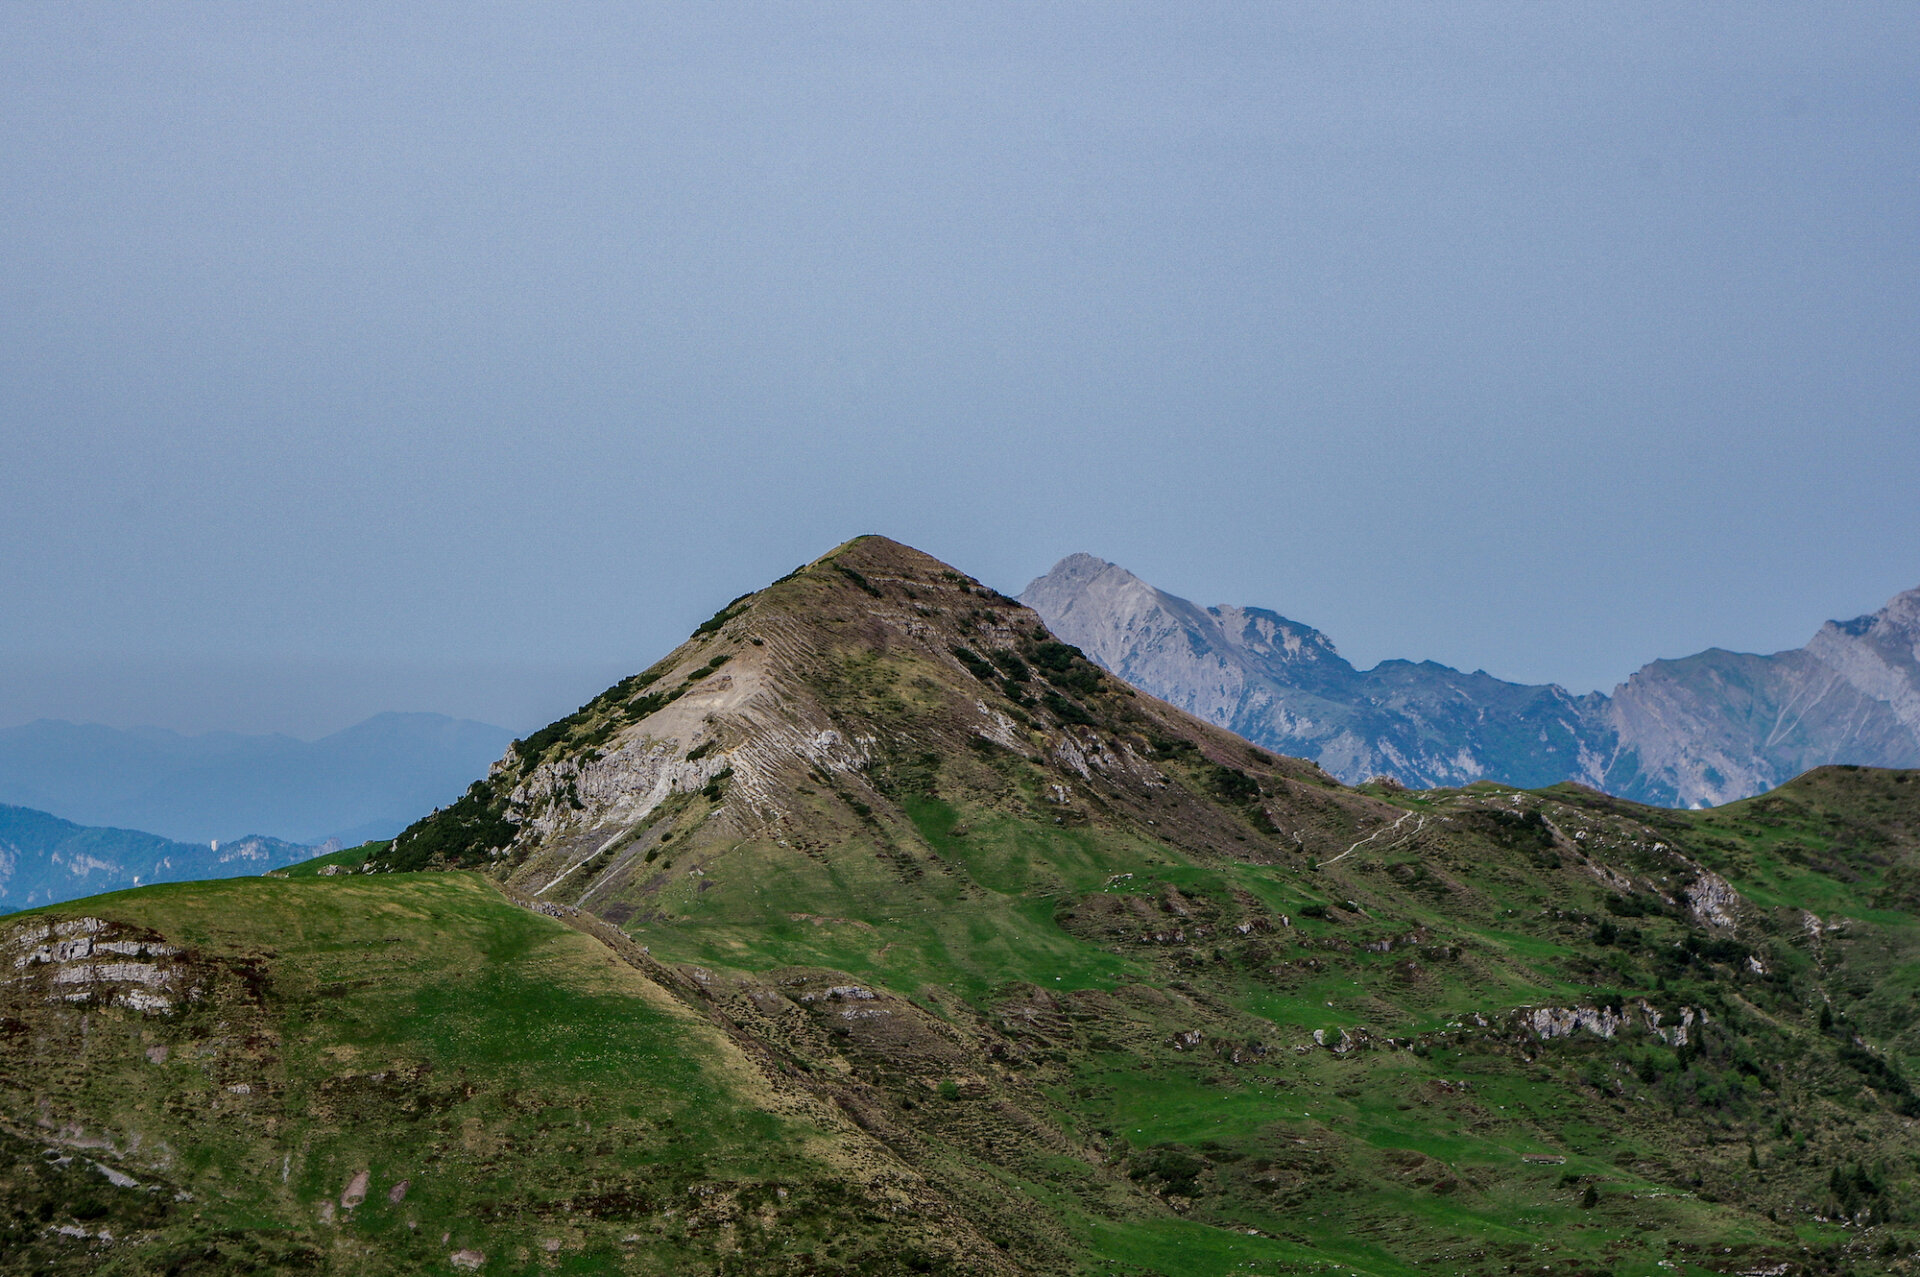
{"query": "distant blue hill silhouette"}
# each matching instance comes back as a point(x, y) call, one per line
point(368, 781)
point(44, 860)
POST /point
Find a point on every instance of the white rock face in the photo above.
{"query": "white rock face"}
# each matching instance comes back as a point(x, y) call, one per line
point(591, 820)
point(1712, 900)
point(1283, 685)
point(1725, 725)
point(1879, 656)
point(1146, 636)
point(67, 957)
point(1561, 1022)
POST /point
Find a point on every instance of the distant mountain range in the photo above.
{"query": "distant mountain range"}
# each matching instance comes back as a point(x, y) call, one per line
point(1698, 731)
point(44, 860)
point(365, 782)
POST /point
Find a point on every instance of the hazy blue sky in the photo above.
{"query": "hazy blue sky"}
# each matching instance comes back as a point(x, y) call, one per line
point(1544, 339)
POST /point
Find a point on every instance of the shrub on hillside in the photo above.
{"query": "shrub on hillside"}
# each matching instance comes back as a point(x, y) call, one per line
point(461, 836)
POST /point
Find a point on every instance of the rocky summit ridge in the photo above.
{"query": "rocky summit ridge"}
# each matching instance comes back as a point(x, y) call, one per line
point(1698, 731)
point(848, 679)
point(876, 930)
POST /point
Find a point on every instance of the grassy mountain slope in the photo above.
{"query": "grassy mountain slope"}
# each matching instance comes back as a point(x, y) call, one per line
point(990, 963)
point(371, 1075)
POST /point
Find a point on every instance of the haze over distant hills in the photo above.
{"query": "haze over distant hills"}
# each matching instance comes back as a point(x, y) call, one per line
point(44, 860)
point(1701, 730)
point(365, 782)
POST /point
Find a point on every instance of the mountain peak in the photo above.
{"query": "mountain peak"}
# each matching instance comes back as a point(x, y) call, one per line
point(939, 950)
point(1083, 566)
point(1205, 660)
point(829, 708)
point(1899, 616)
point(1100, 607)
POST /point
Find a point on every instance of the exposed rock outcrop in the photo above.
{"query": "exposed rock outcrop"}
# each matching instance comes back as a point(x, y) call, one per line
point(86, 959)
point(1608, 1022)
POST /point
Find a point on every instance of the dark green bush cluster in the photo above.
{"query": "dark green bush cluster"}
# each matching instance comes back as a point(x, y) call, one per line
point(1060, 665)
point(628, 688)
point(724, 615)
point(1171, 746)
point(1008, 669)
point(1855, 1188)
point(1883, 1075)
point(1724, 949)
point(1231, 785)
point(460, 836)
point(1066, 666)
point(652, 702)
point(709, 667)
point(1696, 952)
point(1052, 656)
point(614, 703)
point(1065, 710)
point(1168, 1168)
point(533, 748)
point(1520, 831)
point(1637, 906)
point(857, 579)
point(716, 788)
point(975, 663)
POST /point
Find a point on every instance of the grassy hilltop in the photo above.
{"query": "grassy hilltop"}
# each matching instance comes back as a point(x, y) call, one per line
point(874, 931)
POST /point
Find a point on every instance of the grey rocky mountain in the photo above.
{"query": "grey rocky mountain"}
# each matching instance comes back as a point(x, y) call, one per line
point(1701, 730)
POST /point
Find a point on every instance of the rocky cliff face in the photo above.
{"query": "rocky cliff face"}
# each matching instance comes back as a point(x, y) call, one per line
point(1723, 725)
point(1283, 685)
point(1699, 731)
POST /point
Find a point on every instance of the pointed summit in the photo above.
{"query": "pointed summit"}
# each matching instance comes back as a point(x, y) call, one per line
point(818, 717)
point(1141, 633)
